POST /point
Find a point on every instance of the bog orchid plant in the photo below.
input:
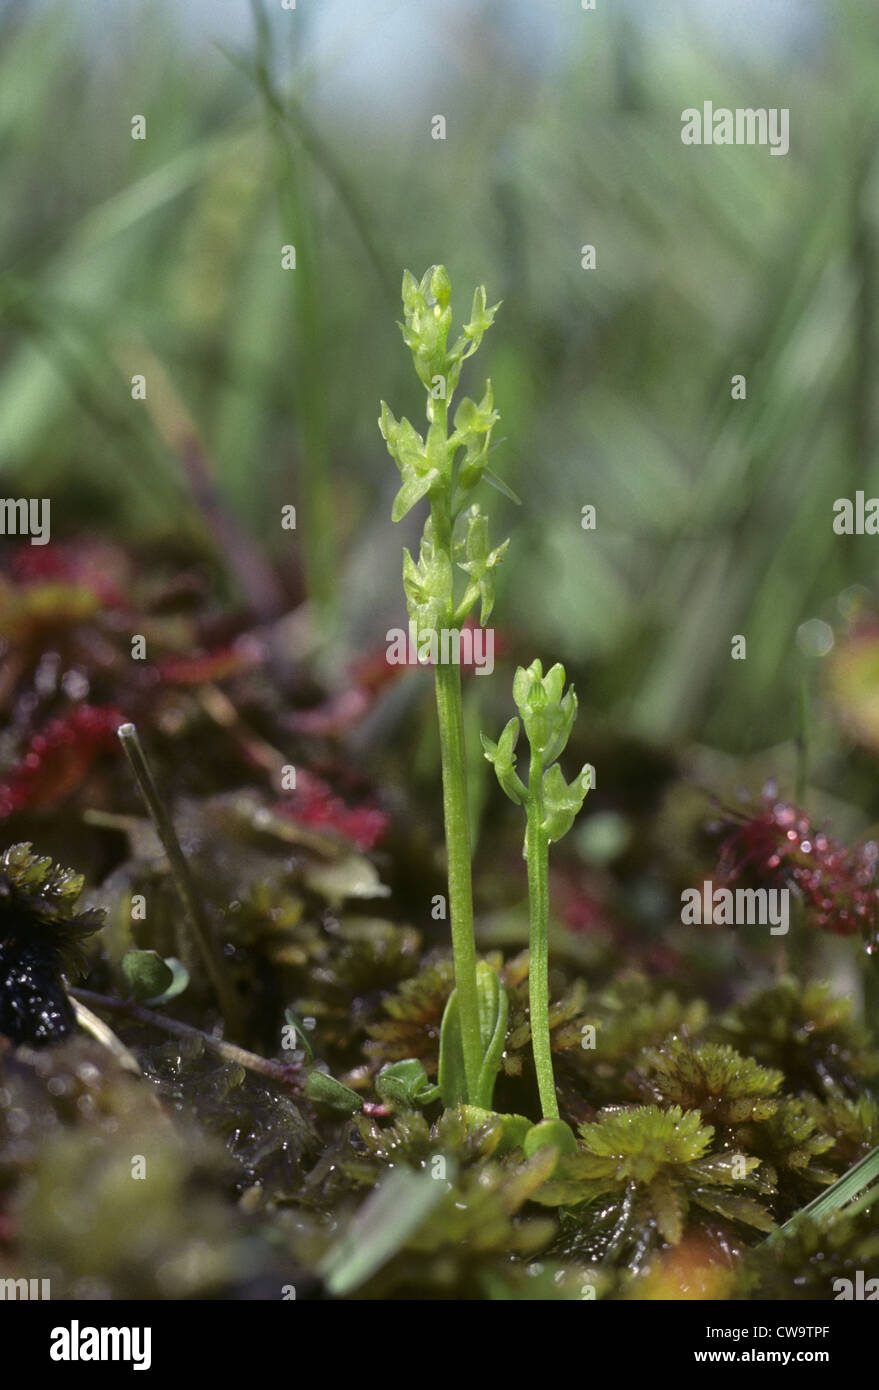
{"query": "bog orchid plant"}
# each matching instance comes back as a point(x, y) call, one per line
point(551, 805)
point(444, 467)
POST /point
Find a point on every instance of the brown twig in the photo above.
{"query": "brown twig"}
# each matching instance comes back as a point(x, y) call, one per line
point(280, 1072)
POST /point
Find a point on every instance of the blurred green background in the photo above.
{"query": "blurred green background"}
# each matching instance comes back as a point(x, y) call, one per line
point(312, 127)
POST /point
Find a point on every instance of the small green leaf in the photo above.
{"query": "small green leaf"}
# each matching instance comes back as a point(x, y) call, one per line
point(493, 1013)
point(410, 293)
point(428, 584)
point(441, 285)
point(494, 1008)
point(415, 486)
point(405, 1084)
point(389, 426)
point(734, 1207)
point(301, 1031)
point(502, 757)
point(411, 451)
point(146, 974)
point(451, 1075)
point(669, 1203)
point(178, 983)
point(466, 415)
point(491, 477)
point(473, 426)
point(326, 1090)
point(481, 318)
point(554, 1133)
point(513, 1128)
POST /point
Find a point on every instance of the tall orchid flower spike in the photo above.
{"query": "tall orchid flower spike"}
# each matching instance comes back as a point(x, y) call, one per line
point(444, 468)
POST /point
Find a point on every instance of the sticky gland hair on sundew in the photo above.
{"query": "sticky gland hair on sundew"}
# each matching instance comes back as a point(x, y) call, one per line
point(444, 468)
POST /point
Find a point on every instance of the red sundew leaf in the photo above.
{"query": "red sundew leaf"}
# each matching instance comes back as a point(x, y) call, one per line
point(209, 667)
point(315, 804)
point(58, 758)
point(781, 847)
point(370, 674)
point(585, 913)
point(581, 912)
point(86, 565)
point(30, 613)
point(334, 716)
point(580, 901)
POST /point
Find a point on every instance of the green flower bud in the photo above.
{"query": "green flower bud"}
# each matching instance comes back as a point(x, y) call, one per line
point(502, 757)
point(562, 801)
point(547, 716)
point(428, 585)
point(480, 564)
point(441, 285)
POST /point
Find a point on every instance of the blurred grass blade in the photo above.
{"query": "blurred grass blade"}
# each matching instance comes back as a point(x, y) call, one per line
point(394, 1211)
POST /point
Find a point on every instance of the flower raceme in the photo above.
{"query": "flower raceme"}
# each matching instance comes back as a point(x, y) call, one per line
point(443, 468)
point(548, 717)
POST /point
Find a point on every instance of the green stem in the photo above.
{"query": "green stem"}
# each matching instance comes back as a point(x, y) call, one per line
point(455, 810)
point(456, 804)
point(537, 859)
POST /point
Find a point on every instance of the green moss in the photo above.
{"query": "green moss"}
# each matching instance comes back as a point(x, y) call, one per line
point(804, 1262)
point(642, 1174)
point(809, 1033)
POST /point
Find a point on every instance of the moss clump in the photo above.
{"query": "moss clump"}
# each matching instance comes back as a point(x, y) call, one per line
point(108, 1198)
point(725, 1087)
point(808, 1033)
point(414, 1012)
point(41, 937)
point(641, 1174)
point(804, 1262)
